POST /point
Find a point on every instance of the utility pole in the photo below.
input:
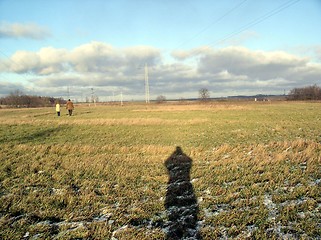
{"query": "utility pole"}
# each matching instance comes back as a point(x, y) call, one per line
point(68, 92)
point(92, 94)
point(93, 100)
point(146, 84)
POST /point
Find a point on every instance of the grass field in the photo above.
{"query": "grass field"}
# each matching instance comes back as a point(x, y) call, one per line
point(100, 174)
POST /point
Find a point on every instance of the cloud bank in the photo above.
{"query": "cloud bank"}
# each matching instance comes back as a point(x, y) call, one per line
point(110, 70)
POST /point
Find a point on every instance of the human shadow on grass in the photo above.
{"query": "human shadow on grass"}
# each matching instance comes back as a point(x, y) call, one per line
point(180, 203)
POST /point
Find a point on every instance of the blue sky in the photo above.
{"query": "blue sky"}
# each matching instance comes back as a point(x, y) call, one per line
point(229, 47)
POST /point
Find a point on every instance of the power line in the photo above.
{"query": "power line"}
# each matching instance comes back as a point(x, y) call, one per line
point(9, 59)
point(146, 84)
point(2, 77)
point(15, 63)
point(211, 24)
point(253, 23)
point(7, 64)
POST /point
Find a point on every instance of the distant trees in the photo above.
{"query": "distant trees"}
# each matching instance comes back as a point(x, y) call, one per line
point(306, 93)
point(19, 99)
point(161, 99)
point(204, 94)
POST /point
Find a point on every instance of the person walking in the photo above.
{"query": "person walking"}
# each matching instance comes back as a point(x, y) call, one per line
point(58, 109)
point(69, 106)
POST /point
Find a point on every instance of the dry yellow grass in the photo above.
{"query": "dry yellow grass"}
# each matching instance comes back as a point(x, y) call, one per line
point(100, 173)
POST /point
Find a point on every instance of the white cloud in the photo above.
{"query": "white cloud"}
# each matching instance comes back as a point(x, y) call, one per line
point(253, 64)
point(102, 57)
point(23, 61)
point(19, 30)
point(46, 61)
point(94, 56)
point(318, 52)
point(183, 54)
point(98, 65)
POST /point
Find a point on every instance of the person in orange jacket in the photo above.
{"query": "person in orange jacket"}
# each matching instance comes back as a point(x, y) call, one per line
point(69, 107)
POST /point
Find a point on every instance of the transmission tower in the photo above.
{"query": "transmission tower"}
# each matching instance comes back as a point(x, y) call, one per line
point(146, 84)
point(68, 92)
point(92, 95)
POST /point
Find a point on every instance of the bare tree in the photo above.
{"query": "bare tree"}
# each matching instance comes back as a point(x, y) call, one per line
point(305, 93)
point(204, 94)
point(19, 99)
point(160, 99)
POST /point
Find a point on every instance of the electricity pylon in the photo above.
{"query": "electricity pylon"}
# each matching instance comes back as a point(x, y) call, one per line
point(146, 84)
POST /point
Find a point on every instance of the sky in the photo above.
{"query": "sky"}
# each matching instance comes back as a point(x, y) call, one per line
point(82, 48)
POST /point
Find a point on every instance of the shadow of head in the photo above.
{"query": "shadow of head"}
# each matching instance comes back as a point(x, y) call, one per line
point(178, 166)
point(180, 202)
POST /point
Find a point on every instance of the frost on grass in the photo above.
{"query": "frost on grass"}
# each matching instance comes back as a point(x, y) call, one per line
point(272, 209)
point(237, 199)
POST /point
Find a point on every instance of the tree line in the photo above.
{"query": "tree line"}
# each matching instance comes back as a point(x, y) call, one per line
point(18, 99)
point(305, 93)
